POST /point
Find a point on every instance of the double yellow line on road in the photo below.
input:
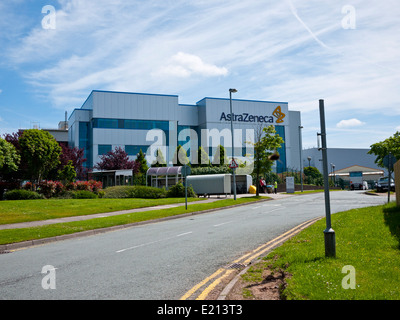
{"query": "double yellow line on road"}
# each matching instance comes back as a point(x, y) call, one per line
point(223, 273)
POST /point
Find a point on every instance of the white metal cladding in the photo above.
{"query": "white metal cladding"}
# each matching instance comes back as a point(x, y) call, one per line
point(188, 115)
point(118, 105)
point(206, 114)
point(214, 108)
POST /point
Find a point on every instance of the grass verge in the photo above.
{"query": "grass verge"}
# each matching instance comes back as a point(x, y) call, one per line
point(17, 211)
point(367, 239)
point(25, 234)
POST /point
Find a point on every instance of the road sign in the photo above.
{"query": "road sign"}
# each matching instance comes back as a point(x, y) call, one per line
point(233, 164)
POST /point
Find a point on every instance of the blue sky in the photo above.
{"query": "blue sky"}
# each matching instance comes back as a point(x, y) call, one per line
point(345, 52)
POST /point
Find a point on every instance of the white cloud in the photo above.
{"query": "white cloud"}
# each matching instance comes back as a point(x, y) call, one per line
point(185, 65)
point(350, 123)
point(294, 51)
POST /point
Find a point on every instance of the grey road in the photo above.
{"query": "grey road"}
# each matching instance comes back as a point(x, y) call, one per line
point(161, 260)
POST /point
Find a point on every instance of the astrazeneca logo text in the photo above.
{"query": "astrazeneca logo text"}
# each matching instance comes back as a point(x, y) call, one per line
point(246, 117)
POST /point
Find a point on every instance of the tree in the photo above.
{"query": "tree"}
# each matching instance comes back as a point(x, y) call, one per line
point(180, 157)
point(68, 173)
point(313, 175)
point(9, 157)
point(75, 155)
point(116, 160)
point(40, 151)
point(220, 158)
point(382, 149)
point(160, 160)
point(142, 167)
point(21, 173)
point(202, 158)
point(312, 172)
point(266, 140)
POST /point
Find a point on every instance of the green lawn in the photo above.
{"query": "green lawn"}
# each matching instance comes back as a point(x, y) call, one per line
point(366, 239)
point(24, 234)
point(34, 210)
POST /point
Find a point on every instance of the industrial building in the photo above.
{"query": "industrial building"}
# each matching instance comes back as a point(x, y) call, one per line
point(147, 122)
point(340, 158)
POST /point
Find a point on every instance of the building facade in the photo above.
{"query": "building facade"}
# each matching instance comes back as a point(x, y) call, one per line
point(135, 121)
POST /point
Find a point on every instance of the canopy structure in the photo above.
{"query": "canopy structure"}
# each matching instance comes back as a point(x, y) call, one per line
point(159, 176)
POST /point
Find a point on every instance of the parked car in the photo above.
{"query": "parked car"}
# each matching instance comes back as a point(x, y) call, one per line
point(382, 184)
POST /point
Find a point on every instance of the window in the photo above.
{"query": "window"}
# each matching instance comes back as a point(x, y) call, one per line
point(281, 164)
point(105, 123)
point(134, 150)
point(104, 148)
point(85, 142)
point(102, 123)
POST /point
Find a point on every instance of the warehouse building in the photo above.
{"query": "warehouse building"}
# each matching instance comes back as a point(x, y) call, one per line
point(135, 121)
point(339, 158)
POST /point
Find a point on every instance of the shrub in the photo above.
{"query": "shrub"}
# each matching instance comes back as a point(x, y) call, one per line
point(51, 188)
point(95, 186)
point(178, 191)
point(211, 170)
point(118, 192)
point(27, 186)
point(134, 192)
point(20, 194)
point(91, 185)
point(83, 185)
point(149, 192)
point(83, 194)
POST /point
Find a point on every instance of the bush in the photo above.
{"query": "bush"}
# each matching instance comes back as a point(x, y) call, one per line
point(118, 192)
point(134, 192)
point(50, 188)
point(20, 194)
point(83, 194)
point(27, 186)
point(211, 170)
point(149, 192)
point(91, 185)
point(178, 191)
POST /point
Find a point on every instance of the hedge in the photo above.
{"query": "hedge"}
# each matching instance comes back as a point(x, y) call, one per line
point(20, 194)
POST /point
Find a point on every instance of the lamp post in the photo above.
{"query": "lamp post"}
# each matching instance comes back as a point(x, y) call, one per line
point(234, 169)
point(329, 233)
point(309, 165)
point(301, 158)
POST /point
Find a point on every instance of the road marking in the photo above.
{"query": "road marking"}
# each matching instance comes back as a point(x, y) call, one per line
point(200, 284)
point(184, 234)
point(152, 242)
point(205, 293)
point(245, 260)
point(256, 207)
point(221, 224)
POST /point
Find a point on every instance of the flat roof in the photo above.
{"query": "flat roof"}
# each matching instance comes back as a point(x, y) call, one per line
point(245, 100)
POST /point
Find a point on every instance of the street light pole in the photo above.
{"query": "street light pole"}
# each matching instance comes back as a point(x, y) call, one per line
point(329, 233)
point(234, 169)
point(301, 158)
